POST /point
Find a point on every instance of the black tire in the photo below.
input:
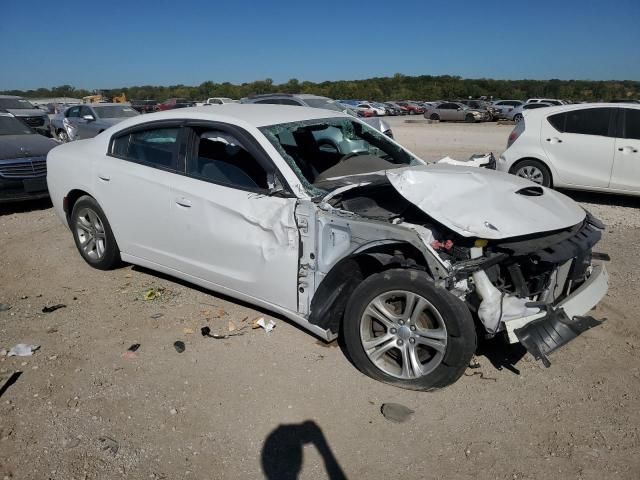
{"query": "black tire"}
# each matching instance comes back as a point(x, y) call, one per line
point(469, 118)
point(533, 163)
point(434, 116)
point(461, 339)
point(110, 257)
point(517, 118)
point(62, 135)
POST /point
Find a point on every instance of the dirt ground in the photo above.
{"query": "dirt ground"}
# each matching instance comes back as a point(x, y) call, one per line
point(269, 405)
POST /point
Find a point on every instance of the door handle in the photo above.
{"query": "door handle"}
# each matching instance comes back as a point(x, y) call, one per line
point(104, 178)
point(184, 202)
point(557, 140)
point(627, 149)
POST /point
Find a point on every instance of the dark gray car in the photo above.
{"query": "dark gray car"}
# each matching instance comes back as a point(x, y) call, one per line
point(23, 164)
point(26, 112)
point(87, 121)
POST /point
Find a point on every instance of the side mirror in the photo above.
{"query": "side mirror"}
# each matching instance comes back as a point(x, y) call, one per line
point(89, 118)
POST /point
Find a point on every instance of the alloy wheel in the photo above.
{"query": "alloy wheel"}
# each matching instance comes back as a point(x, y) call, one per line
point(91, 234)
point(531, 173)
point(403, 334)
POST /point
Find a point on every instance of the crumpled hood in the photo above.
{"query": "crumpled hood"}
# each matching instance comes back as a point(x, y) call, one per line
point(476, 202)
point(21, 146)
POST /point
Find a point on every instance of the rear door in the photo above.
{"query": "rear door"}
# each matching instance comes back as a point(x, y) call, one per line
point(626, 162)
point(448, 111)
point(228, 228)
point(580, 145)
point(133, 184)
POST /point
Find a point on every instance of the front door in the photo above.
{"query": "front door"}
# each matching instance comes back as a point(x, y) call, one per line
point(228, 229)
point(85, 127)
point(580, 145)
point(626, 162)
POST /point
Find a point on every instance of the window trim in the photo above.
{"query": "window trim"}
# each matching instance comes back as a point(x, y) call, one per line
point(179, 155)
point(248, 141)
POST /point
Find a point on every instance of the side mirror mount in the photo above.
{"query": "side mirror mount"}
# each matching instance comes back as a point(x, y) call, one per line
point(275, 184)
point(89, 118)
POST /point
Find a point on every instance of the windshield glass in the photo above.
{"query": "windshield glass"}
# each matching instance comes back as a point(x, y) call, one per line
point(12, 126)
point(321, 150)
point(15, 103)
point(114, 111)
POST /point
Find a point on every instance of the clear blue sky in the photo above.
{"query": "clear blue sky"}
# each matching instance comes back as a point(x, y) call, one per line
point(116, 43)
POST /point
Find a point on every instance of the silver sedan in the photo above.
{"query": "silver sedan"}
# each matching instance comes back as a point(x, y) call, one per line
point(453, 111)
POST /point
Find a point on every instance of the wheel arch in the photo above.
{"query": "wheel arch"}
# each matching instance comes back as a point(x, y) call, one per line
point(552, 173)
point(330, 298)
point(70, 200)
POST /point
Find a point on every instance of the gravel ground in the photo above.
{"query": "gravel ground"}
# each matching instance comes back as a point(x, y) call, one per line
point(258, 405)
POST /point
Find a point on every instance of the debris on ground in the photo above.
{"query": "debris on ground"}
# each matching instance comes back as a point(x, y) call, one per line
point(231, 326)
point(52, 330)
point(179, 346)
point(7, 380)
point(268, 326)
point(254, 322)
point(151, 294)
point(4, 307)
point(131, 352)
point(155, 316)
point(109, 445)
point(187, 331)
point(53, 308)
point(396, 412)
point(206, 332)
point(474, 363)
point(482, 377)
point(23, 350)
point(173, 411)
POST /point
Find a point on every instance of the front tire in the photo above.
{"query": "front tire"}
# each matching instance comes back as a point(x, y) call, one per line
point(93, 235)
point(400, 329)
point(434, 116)
point(469, 118)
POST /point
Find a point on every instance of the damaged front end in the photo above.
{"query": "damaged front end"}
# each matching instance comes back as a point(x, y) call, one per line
point(534, 288)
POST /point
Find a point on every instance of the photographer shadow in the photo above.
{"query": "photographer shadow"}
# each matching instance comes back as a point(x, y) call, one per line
point(282, 452)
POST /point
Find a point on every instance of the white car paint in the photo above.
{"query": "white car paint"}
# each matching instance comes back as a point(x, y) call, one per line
point(276, 251)
point(607, 163)
point(440, 190)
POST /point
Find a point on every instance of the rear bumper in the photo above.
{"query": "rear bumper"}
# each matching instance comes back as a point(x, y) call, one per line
point(578, 303)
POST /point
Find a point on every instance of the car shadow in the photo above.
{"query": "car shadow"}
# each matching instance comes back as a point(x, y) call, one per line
point(282, 453)
point(600, 198)
point(25, 206)
point(502, 355)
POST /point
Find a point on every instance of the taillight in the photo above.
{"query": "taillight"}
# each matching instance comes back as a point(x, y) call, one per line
point(515, 133)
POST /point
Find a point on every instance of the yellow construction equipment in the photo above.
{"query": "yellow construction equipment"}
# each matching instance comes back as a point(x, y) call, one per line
point(122, 98)
point(92, 99)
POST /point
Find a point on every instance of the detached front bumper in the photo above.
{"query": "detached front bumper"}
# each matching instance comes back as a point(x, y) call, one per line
point(557, 325)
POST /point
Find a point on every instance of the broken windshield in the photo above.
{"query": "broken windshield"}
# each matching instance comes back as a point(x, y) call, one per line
point(321, 150)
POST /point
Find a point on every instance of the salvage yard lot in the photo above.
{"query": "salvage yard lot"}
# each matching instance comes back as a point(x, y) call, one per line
point(237, 407)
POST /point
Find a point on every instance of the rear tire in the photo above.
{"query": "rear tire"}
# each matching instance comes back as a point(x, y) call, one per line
point(93, 235)
point(518, 118)
point(434, 116)
point(533, 170)
point(400, 329)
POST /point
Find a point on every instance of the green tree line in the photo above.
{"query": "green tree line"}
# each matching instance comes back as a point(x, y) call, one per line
point(397, 87)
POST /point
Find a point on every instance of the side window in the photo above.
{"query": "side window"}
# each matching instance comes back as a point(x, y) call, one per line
point(557, 121)
point(632, 123)
point(221, 158)
point(286, 101)
point(269, 101)
point(157, 147)
point(589, 121)
point(73, 112)
point(86, 111)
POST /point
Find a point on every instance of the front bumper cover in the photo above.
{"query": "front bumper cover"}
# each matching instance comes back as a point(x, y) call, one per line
point(557, 325)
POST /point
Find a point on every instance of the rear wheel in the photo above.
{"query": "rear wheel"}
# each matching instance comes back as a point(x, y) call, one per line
point(434, 116)
point(533, 170)
point(93, 236)
point(517, 117)
point(399, 328)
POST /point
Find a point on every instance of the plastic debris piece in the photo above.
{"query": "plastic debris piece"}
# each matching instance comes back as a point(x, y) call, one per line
point(4, 307)
point(268, 326)
point(131, 354)
point(134, 347)
point(231, 326)
point(396, 412)
point(23, 350)
point(151, 294)
point(109, 445)
point(206, 332)
point(187, 330)
point(254, 322)
point(53, 308)
point(157, 315)
point(179, 346)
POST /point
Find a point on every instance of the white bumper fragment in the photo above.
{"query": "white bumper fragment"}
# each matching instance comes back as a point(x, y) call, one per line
point(578, 303)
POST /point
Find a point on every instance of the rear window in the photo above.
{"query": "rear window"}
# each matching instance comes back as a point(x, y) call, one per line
point(156, 147)
point(588, 121)
point(632, 124)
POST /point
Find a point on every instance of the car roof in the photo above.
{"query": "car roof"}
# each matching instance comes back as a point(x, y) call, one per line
point(257, 115)
point(576, 106)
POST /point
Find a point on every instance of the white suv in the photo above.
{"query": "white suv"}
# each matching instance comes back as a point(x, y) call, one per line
point(586, 147)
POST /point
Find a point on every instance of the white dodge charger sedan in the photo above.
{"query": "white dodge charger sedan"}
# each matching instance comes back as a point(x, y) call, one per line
point(316, 216)
point(585, 147)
